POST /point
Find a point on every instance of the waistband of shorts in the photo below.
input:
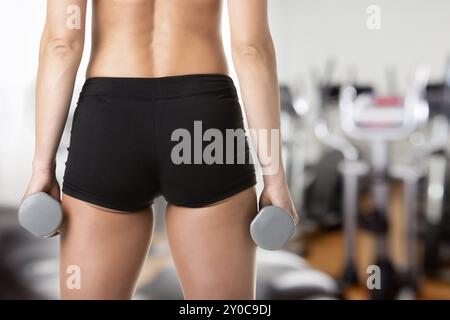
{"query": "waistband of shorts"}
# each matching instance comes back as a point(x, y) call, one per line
point(170, 87)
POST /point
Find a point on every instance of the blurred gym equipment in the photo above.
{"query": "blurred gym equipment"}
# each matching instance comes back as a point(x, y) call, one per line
point(402, 138)
point(29, 265)
point(351, 169)
point(378, 121)
point(324, 197)
point(292, 141)
point(437, 212)
point(410, 173)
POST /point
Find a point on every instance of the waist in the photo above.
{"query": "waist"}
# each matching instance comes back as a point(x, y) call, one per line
point(170, 87)
point(162, 58)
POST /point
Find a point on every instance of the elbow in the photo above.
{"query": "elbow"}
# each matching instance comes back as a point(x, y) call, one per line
point(248, 50)
point(62, 47)
point(262, 51)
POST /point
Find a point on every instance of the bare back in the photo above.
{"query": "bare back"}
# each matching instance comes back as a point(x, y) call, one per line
point(153, 38)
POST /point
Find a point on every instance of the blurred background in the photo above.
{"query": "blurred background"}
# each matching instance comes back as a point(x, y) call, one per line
point(365, 92)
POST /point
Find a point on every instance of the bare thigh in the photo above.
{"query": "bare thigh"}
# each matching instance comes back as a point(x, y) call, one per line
point(212, 248)
point(107, 248)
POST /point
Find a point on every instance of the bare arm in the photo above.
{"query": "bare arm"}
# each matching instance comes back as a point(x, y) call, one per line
point(60, 54)
point(59, 58)
point(255, 62)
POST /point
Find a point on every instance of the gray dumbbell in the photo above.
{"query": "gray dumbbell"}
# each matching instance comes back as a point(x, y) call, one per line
point(272, 228)
point(41, 215)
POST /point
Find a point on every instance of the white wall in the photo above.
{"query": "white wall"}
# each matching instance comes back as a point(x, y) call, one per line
point(308, 32)
point(21, 23)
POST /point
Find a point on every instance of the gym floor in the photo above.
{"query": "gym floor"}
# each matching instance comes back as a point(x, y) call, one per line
point(325, 252)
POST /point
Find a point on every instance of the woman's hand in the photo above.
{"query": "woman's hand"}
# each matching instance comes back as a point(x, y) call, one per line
point(277, 194)
point(43, 181)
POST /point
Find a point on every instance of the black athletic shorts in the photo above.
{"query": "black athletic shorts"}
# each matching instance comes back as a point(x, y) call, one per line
point(136, 138)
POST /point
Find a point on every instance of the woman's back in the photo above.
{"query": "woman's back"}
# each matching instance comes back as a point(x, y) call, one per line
point(153, 38)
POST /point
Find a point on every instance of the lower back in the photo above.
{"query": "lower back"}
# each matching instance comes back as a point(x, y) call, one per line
point(155, 38)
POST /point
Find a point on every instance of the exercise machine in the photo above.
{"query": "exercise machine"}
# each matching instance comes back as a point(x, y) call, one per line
point(351, 168)
point(323, 195)
point(436, 233)
point(379, 121)
point(327, 195)
point(292, 141)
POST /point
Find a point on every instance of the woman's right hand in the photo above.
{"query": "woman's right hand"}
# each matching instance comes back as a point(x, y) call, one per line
point(277, 194)
point(43, 180)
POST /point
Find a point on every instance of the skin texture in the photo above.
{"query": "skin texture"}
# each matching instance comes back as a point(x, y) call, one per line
point(211, 246)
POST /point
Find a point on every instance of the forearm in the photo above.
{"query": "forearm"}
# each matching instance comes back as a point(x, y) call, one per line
point(257, 73)
point(58, 65)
